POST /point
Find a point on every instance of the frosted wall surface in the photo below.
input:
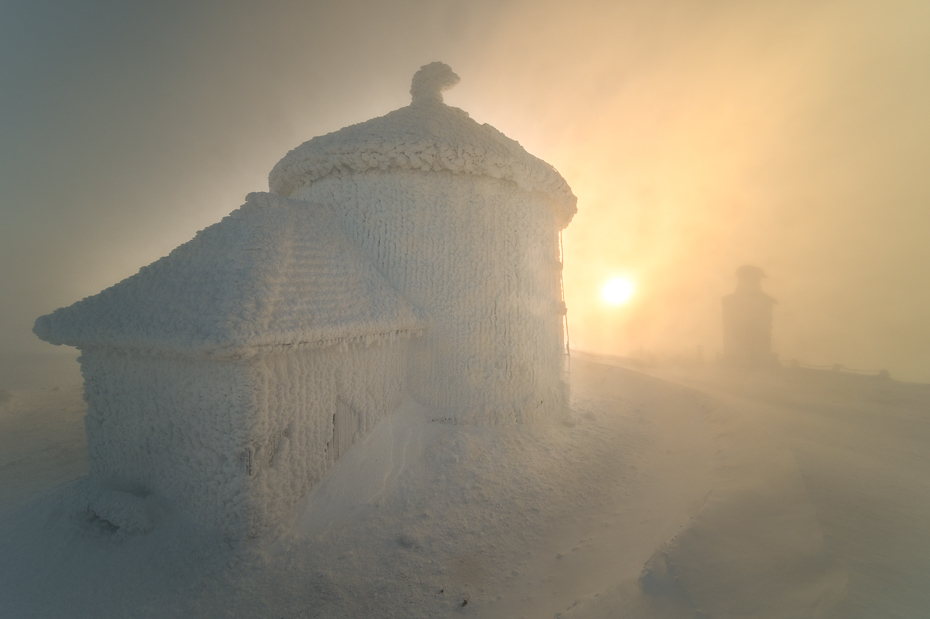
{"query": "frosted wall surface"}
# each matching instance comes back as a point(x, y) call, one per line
point(479, 258)
point(234, 443)
point(464, 222)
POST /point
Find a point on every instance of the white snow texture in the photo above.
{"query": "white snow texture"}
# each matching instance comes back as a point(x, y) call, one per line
point(413, 255)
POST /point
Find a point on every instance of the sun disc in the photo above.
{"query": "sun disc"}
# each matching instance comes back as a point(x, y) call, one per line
point(617, 291)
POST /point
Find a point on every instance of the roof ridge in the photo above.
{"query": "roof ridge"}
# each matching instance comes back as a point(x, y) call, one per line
point(216, 293)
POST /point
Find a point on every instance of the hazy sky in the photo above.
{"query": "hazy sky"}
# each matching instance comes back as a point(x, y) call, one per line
point(698, 136)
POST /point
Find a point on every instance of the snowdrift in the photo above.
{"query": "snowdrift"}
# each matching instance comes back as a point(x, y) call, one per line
point(697, 493)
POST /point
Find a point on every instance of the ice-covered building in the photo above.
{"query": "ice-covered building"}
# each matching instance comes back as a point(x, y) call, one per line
point(465, 223)
point(229, 375)
point(413, 255)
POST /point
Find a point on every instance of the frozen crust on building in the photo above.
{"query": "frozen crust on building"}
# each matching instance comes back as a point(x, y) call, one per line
point(427, 136)
point(227, 377)
point(234, 443)
point(274, 273)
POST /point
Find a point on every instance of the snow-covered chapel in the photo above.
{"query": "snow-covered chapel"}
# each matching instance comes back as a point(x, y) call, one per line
point(415, 255)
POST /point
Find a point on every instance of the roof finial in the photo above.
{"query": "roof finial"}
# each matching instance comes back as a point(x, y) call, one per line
point(431, 80)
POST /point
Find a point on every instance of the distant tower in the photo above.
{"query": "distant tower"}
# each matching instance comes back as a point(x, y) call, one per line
point(747, 321)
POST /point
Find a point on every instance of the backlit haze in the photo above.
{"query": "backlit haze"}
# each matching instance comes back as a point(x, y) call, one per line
point(698, 136)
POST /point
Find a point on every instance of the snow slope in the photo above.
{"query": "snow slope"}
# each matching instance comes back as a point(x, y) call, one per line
point(693, 492)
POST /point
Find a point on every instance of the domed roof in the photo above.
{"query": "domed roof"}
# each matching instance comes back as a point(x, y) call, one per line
point(427, 135)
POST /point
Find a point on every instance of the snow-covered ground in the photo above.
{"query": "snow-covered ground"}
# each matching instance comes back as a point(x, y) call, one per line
point(690, 492)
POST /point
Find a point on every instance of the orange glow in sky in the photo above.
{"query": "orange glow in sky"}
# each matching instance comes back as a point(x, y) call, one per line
point(697, 136)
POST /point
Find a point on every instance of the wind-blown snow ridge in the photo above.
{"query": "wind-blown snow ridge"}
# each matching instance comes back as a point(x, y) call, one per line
point(275, 273)
point(427, 135)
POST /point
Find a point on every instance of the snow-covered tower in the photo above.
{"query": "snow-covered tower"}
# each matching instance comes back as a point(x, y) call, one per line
point(465, 223)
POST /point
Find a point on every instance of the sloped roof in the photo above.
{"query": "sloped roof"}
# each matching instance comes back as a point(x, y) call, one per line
point(275, 272)
point(426, 135)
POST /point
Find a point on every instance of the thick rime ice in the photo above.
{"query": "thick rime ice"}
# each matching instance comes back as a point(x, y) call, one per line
point(211, 376)
point(274, 273)
point(227, 377)
point(479, 258)
point(465, 223)
point(431, 80)
point(234, 443)
point(426, 136)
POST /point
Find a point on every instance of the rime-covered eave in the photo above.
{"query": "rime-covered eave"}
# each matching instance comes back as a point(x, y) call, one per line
point(339, 338)
point(307, 164)
point(425, 136)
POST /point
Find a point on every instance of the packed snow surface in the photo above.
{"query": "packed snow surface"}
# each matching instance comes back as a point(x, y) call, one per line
point(674, 493)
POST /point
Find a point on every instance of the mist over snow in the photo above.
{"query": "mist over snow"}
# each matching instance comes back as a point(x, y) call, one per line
point(691, 492)
point(415, 441)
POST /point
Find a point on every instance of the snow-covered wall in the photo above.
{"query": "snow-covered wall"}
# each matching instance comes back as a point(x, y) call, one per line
point(479, 257)
point(234, 443)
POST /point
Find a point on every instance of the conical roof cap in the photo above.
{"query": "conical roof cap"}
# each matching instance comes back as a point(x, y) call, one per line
point(427, 135)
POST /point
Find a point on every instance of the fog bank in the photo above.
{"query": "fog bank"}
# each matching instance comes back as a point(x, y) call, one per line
point(698, 136)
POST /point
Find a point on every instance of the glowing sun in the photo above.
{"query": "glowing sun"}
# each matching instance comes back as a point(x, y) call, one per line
point(617, 291)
